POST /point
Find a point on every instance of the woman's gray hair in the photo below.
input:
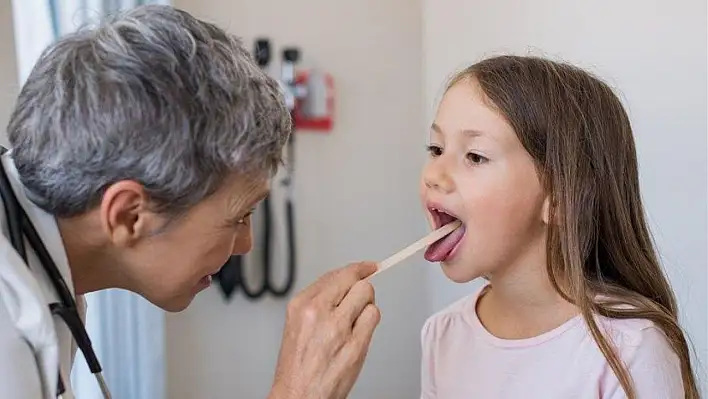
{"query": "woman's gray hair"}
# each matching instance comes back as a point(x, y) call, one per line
point(153, 95)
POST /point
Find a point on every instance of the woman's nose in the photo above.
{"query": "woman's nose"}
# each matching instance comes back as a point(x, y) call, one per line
point(436, 177)
point(243, 243)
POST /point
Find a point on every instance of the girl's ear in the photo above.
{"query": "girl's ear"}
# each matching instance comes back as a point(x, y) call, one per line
point(546, 210)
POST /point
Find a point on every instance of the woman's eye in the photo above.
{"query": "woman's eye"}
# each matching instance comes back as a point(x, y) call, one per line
point(476, 158)
point(434, 150)
point(243, 220)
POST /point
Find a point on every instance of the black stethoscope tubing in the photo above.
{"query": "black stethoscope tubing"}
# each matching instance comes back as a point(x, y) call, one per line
point(267, 285)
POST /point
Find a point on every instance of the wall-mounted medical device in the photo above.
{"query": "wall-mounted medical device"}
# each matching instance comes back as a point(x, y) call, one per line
point(309, 95)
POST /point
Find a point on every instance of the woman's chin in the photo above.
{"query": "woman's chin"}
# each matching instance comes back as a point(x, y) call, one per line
point(174, 303)
point(177, 304)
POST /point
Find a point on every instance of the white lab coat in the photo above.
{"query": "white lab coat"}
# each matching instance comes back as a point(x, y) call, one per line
point(32, 342)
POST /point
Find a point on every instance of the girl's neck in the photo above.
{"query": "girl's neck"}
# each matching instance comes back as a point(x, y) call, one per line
point(522, 303)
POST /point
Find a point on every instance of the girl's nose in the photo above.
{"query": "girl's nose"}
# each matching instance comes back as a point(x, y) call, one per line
point(437, 178)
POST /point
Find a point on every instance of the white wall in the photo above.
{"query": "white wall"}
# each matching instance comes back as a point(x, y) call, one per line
point(373, 49)
point(655, 52)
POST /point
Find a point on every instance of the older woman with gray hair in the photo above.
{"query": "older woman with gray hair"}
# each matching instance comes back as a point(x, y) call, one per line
point(138, 150)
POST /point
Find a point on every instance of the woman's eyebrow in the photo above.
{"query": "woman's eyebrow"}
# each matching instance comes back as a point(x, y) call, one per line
point(261, 197)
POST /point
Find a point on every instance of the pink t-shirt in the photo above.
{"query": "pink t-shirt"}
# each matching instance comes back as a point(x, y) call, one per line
point(462, 360)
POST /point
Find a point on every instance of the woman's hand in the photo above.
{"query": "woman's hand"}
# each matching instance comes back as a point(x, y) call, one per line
point(328, 329)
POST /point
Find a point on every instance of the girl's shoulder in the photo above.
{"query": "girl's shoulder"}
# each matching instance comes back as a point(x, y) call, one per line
point(638, 341)
point(648, 355)
point(628, 332)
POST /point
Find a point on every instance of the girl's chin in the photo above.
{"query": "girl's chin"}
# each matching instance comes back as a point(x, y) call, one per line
point(458, 272)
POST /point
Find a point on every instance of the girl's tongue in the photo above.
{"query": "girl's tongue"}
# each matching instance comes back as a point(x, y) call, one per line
point(441, 249)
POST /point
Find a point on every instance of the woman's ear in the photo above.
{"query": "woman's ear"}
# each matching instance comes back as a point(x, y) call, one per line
point(125, 213)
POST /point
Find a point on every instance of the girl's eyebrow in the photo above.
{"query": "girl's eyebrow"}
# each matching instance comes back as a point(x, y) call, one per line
point(466, 132)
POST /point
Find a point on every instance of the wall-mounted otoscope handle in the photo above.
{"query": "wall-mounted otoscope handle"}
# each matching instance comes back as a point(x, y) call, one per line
point(262, 52)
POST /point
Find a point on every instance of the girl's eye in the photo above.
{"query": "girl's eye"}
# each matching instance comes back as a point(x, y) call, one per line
point(476, 159)
point(434, 150)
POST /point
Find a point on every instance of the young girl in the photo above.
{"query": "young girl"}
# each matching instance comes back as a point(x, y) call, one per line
point(537, 160)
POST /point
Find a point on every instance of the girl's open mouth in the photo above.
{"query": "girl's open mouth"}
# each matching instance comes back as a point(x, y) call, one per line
point(440, 250)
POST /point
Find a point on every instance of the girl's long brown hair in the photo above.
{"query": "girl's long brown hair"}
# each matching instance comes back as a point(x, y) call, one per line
point(580, 137)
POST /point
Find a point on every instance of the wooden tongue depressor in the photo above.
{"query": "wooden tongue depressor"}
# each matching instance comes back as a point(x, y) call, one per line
point(417, 246)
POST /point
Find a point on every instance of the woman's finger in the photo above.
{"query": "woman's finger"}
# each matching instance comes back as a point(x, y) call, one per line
point(347, 364)
point(354, 302)
point(335, 286)
point(364, 328)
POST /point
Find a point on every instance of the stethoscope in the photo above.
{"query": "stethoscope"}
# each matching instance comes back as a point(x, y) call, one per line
point(232, 274)
point(20, 226)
